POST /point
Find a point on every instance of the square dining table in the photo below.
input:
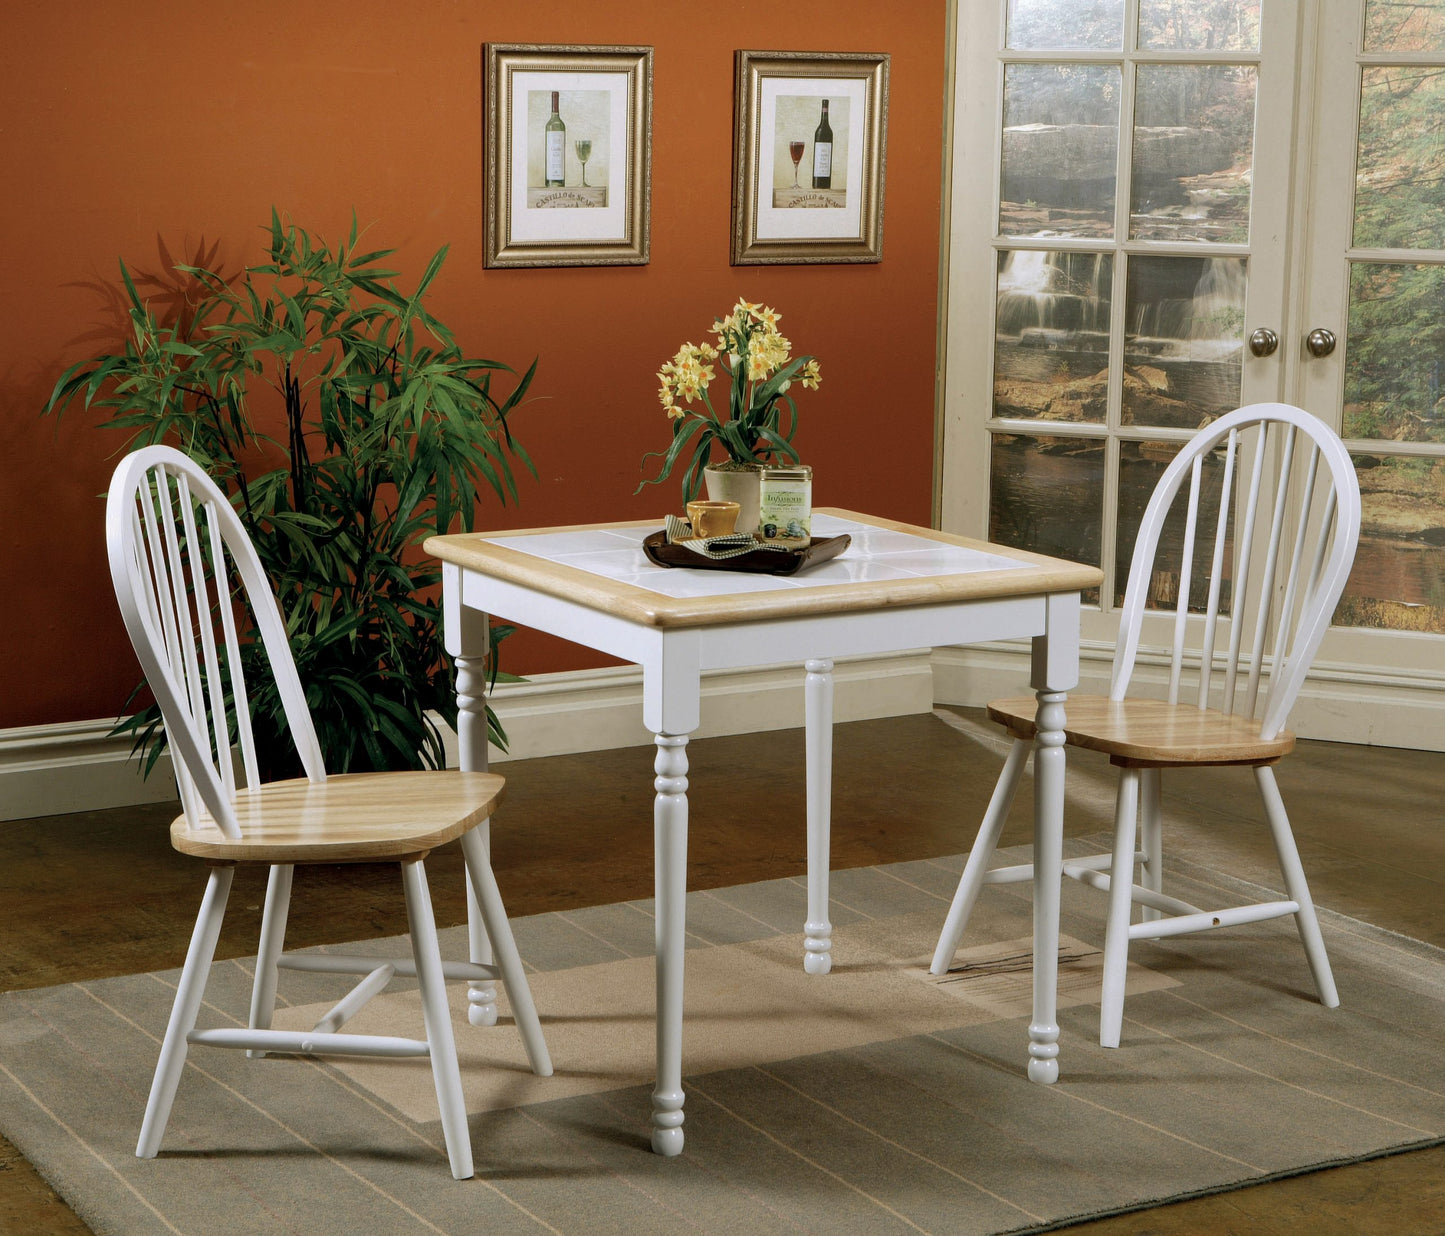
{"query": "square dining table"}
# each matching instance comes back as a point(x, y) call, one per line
point(896, 587)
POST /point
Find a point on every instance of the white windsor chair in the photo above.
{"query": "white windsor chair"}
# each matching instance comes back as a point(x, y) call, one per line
point(1300, 495)
point(175, 545)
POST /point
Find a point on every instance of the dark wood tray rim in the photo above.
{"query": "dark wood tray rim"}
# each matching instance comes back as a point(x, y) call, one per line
point(755, 562)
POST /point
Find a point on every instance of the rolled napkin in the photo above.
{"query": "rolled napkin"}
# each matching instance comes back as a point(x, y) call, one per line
point(733, 545)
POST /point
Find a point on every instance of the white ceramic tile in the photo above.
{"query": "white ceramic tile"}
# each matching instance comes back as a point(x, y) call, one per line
point(551, 545)
point(682, 582)
point(831, 525)
point(886, 541)
point(997, 562)
point(874, 554)
point(845, 570)
point(948, 560)
point(613, 563)
point(635, 536)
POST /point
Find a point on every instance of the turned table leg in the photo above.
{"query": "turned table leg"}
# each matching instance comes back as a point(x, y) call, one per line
point(818, 710)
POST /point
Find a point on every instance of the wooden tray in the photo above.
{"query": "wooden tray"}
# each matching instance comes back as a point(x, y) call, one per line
point(755, 562)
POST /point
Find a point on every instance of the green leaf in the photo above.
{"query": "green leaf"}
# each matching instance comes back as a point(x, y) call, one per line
point(781, 446)
point(683, 432)
point(397, 433)
point(430, 273)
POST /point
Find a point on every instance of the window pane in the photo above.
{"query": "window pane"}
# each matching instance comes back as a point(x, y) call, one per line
point(1395, 361)
point(1400, 173)
point(1141, 464)
point(1391, 26)
point(1044, 495)
point(1193, 153)
point(1051, 337)
point(1183, 339)
point(1398, 581)
point(1066, 23)
point(1225, 25)
point(1060, 149)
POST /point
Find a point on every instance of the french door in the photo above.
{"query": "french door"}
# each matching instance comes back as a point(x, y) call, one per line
point(1163, 209)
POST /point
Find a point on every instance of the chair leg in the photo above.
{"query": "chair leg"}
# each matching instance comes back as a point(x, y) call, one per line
point(1121, 886)
point(481, 996)
point(438, 1018)
point(1151, 829)
point(494, 918)
point(978, 857)
point(273, 940)
point(183, 1012)
point(1297, 887)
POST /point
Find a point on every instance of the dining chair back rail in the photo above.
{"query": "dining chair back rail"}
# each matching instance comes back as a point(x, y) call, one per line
point(173, 585)
point(1290, 617)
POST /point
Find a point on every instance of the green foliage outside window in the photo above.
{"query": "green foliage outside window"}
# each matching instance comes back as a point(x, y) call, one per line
point(1396, 359)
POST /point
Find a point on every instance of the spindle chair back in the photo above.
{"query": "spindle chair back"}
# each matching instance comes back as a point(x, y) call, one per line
point(182, 565)
point(1286, 522)
point(1270, 513)
point(178, 548)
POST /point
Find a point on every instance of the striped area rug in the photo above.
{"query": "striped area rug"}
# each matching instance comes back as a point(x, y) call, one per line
point(873, 1100)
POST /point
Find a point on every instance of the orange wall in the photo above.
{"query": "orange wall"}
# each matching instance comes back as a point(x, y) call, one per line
point(138, 130)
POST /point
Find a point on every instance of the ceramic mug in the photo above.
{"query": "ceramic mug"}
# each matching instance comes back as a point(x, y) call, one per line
point(712, 518)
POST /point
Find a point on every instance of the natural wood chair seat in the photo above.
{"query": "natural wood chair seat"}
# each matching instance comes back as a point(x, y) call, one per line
point(1143, 733)
point(358, 818)
point(1242, 554)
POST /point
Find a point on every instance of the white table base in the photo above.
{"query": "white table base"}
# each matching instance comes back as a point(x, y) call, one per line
point(673, 660)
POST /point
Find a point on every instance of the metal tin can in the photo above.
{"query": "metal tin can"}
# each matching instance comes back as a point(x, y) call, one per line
point(785, 505)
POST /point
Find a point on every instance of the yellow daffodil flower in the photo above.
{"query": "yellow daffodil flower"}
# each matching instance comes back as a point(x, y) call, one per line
point(751, 349)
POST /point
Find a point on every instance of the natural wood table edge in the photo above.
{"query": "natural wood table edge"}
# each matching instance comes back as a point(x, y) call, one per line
point(472, 551)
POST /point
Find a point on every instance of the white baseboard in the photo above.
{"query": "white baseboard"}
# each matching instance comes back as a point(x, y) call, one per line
point(1338, 703)
point(596, 710)
point(75, 766)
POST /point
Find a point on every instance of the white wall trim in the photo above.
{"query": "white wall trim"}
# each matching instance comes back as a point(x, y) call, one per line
point(1339, 703)
point(73, 766)
point(76, 766)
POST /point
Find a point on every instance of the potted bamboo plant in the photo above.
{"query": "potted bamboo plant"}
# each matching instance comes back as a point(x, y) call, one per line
point(346, 425)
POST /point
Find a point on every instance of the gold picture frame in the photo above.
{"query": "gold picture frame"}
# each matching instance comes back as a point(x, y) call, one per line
point(579, 194)
point(830, 109)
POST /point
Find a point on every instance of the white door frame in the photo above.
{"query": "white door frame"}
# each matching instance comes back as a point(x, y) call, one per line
point(1390, 698)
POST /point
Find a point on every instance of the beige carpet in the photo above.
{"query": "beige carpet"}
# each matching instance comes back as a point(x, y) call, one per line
point(875, 1099)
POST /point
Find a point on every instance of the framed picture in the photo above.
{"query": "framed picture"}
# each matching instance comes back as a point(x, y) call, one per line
point(568, 133)
point(808, 152)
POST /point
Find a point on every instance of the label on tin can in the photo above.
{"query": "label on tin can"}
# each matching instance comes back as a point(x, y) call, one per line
point(785, 506)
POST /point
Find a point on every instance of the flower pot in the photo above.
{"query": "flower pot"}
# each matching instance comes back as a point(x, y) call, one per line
point(735, 482)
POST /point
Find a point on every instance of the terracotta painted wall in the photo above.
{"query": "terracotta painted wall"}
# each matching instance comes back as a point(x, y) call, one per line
point(149, 130)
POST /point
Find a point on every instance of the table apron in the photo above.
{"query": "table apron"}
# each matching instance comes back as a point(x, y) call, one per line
point(864, 632)
point(769, 641)
point(582, 624)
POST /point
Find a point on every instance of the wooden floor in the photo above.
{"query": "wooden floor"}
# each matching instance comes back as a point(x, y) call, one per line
point(101, 893)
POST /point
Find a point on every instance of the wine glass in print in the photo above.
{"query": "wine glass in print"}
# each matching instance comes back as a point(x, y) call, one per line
point(583, 146)
point(795, 152)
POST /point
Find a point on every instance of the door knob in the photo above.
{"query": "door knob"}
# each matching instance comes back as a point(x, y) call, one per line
point(1263, 342)
point(1320, 342)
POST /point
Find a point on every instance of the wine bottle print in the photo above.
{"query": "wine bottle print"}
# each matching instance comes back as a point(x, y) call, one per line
point(555, 150)
point(823, 152)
